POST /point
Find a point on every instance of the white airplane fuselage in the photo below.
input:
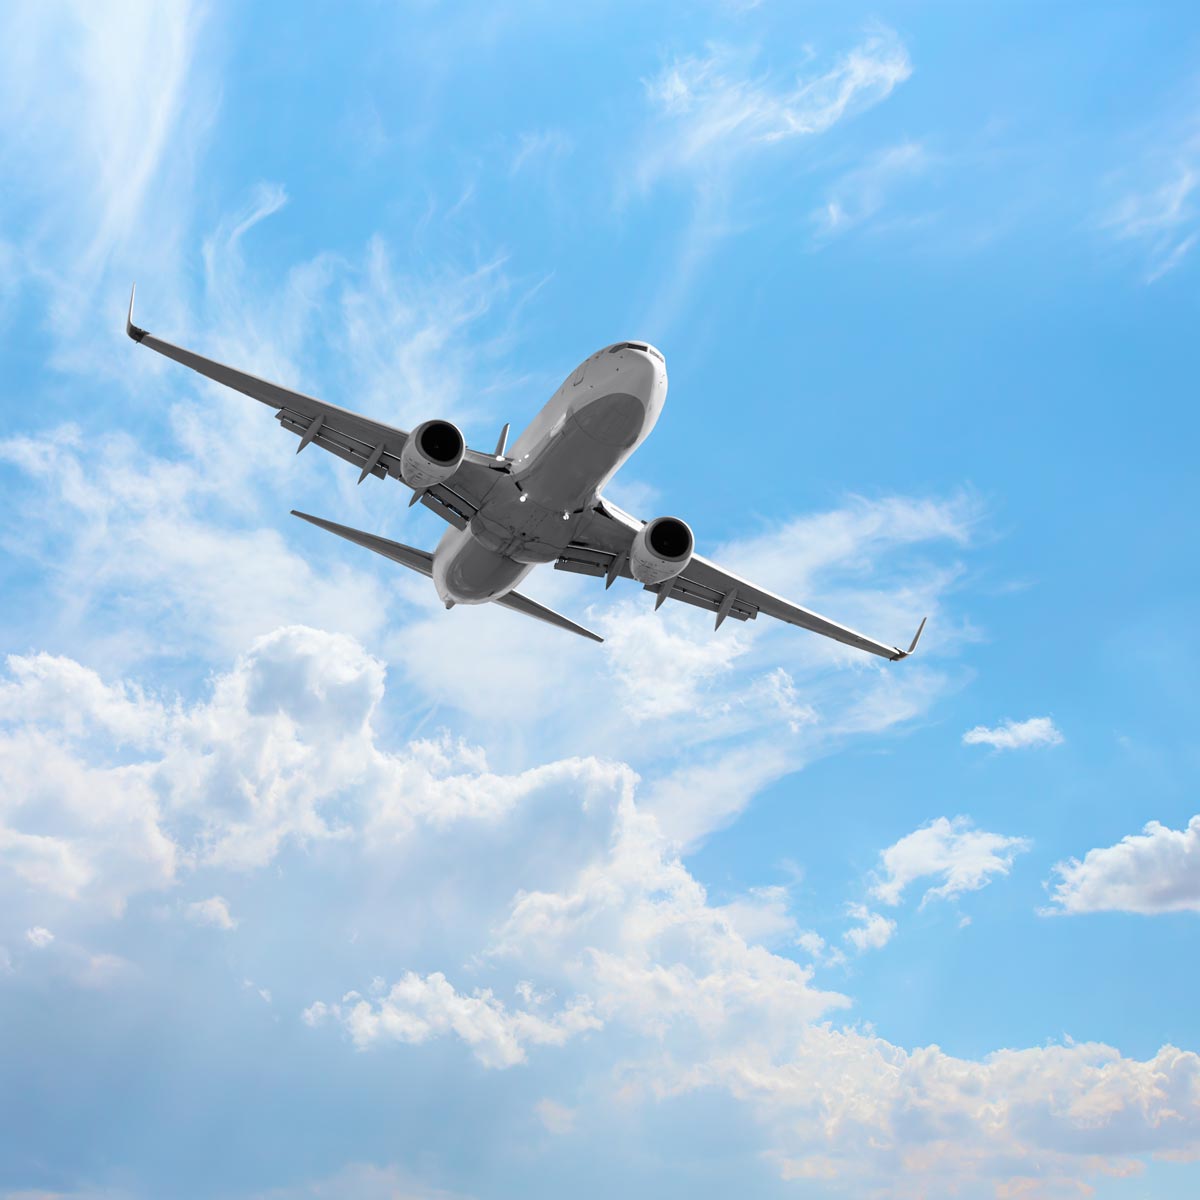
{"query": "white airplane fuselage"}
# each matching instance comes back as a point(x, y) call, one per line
point(604, 410)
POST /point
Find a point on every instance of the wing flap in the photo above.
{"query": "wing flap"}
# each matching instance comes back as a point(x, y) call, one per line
point(688, 591)
point(704, 584)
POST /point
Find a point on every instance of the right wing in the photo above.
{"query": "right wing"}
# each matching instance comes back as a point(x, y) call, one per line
point(602, 549)
point(370, 445)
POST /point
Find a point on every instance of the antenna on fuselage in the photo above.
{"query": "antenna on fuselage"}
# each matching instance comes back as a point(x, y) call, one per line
point(502, 444)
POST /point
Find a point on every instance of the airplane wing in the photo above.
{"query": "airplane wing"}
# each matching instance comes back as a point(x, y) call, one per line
point(602, 549)
point(370, 445)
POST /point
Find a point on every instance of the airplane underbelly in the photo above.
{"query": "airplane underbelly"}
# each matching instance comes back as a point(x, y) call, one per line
point(585, 452)
point(466, 572)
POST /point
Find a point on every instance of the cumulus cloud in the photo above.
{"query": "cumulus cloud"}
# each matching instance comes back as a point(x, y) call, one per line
point(128, 791)
point(873, 932)
point(695, 1003)
point(952, 850)
point(213, 911)
point(586, 915)
point(39, 937)
point(1156, 871)
point(1015, 735)
point(853, 1109)
point(418, 1008)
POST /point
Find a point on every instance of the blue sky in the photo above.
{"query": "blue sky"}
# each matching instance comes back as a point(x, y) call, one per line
point(309, 888)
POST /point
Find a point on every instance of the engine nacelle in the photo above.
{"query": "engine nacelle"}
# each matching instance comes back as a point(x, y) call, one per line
point(661, 550)
point(433, 452)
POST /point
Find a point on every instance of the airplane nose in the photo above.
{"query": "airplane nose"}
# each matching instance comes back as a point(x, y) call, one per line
point(614, 420)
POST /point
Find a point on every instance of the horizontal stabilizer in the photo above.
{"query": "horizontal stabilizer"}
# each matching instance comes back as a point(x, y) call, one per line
point(407, 556)
point(422, 562)
point(531, 608)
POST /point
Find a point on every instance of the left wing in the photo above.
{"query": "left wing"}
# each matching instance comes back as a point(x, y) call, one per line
point(602, 548)
point(370, 445)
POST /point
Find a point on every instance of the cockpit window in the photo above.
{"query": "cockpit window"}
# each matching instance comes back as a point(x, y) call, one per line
point(636, 346)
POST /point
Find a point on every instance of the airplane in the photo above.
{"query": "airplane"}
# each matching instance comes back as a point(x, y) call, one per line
point(540, 502)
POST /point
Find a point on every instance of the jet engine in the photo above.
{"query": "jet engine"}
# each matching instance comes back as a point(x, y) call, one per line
point(661, 550)
point(432, 454)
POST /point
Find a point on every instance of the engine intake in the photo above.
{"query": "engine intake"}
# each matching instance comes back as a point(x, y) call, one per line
point(433, 452)
point(661, 550)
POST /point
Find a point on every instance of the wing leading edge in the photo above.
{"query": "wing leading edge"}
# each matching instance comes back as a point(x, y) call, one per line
point(603, 550)
point(370, 445)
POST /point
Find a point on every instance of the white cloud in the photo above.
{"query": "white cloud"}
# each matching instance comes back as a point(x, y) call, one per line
point(762, 915)
point(39, 937)
point(106, 155)
point(543, 146)
point(859, 194)
point(850, 1107)
point(713, 108)
point(1162, 214)
point(557, 1118)
point(874, 931)
point(262, 993)
point(362, 1181)
point(418, 1008)
point(676, 983)
point(586, 914)
point(1156, 871)
point(962, 857)
point(213, 911)
point(1015, 735)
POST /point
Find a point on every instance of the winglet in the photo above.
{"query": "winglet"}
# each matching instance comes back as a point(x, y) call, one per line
point(916, 638)
point(130, 328)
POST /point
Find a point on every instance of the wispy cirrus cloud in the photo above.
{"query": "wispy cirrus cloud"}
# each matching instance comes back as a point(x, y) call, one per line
point(1015, 735)
point(1157, 209)
point(1155, 871)
point(858, 195)
point(715, 107)
point(106, 155)
point(715, 114)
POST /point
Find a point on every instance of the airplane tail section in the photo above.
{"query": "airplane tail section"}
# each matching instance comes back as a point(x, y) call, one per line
point(531, 608)
point(421, 561)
